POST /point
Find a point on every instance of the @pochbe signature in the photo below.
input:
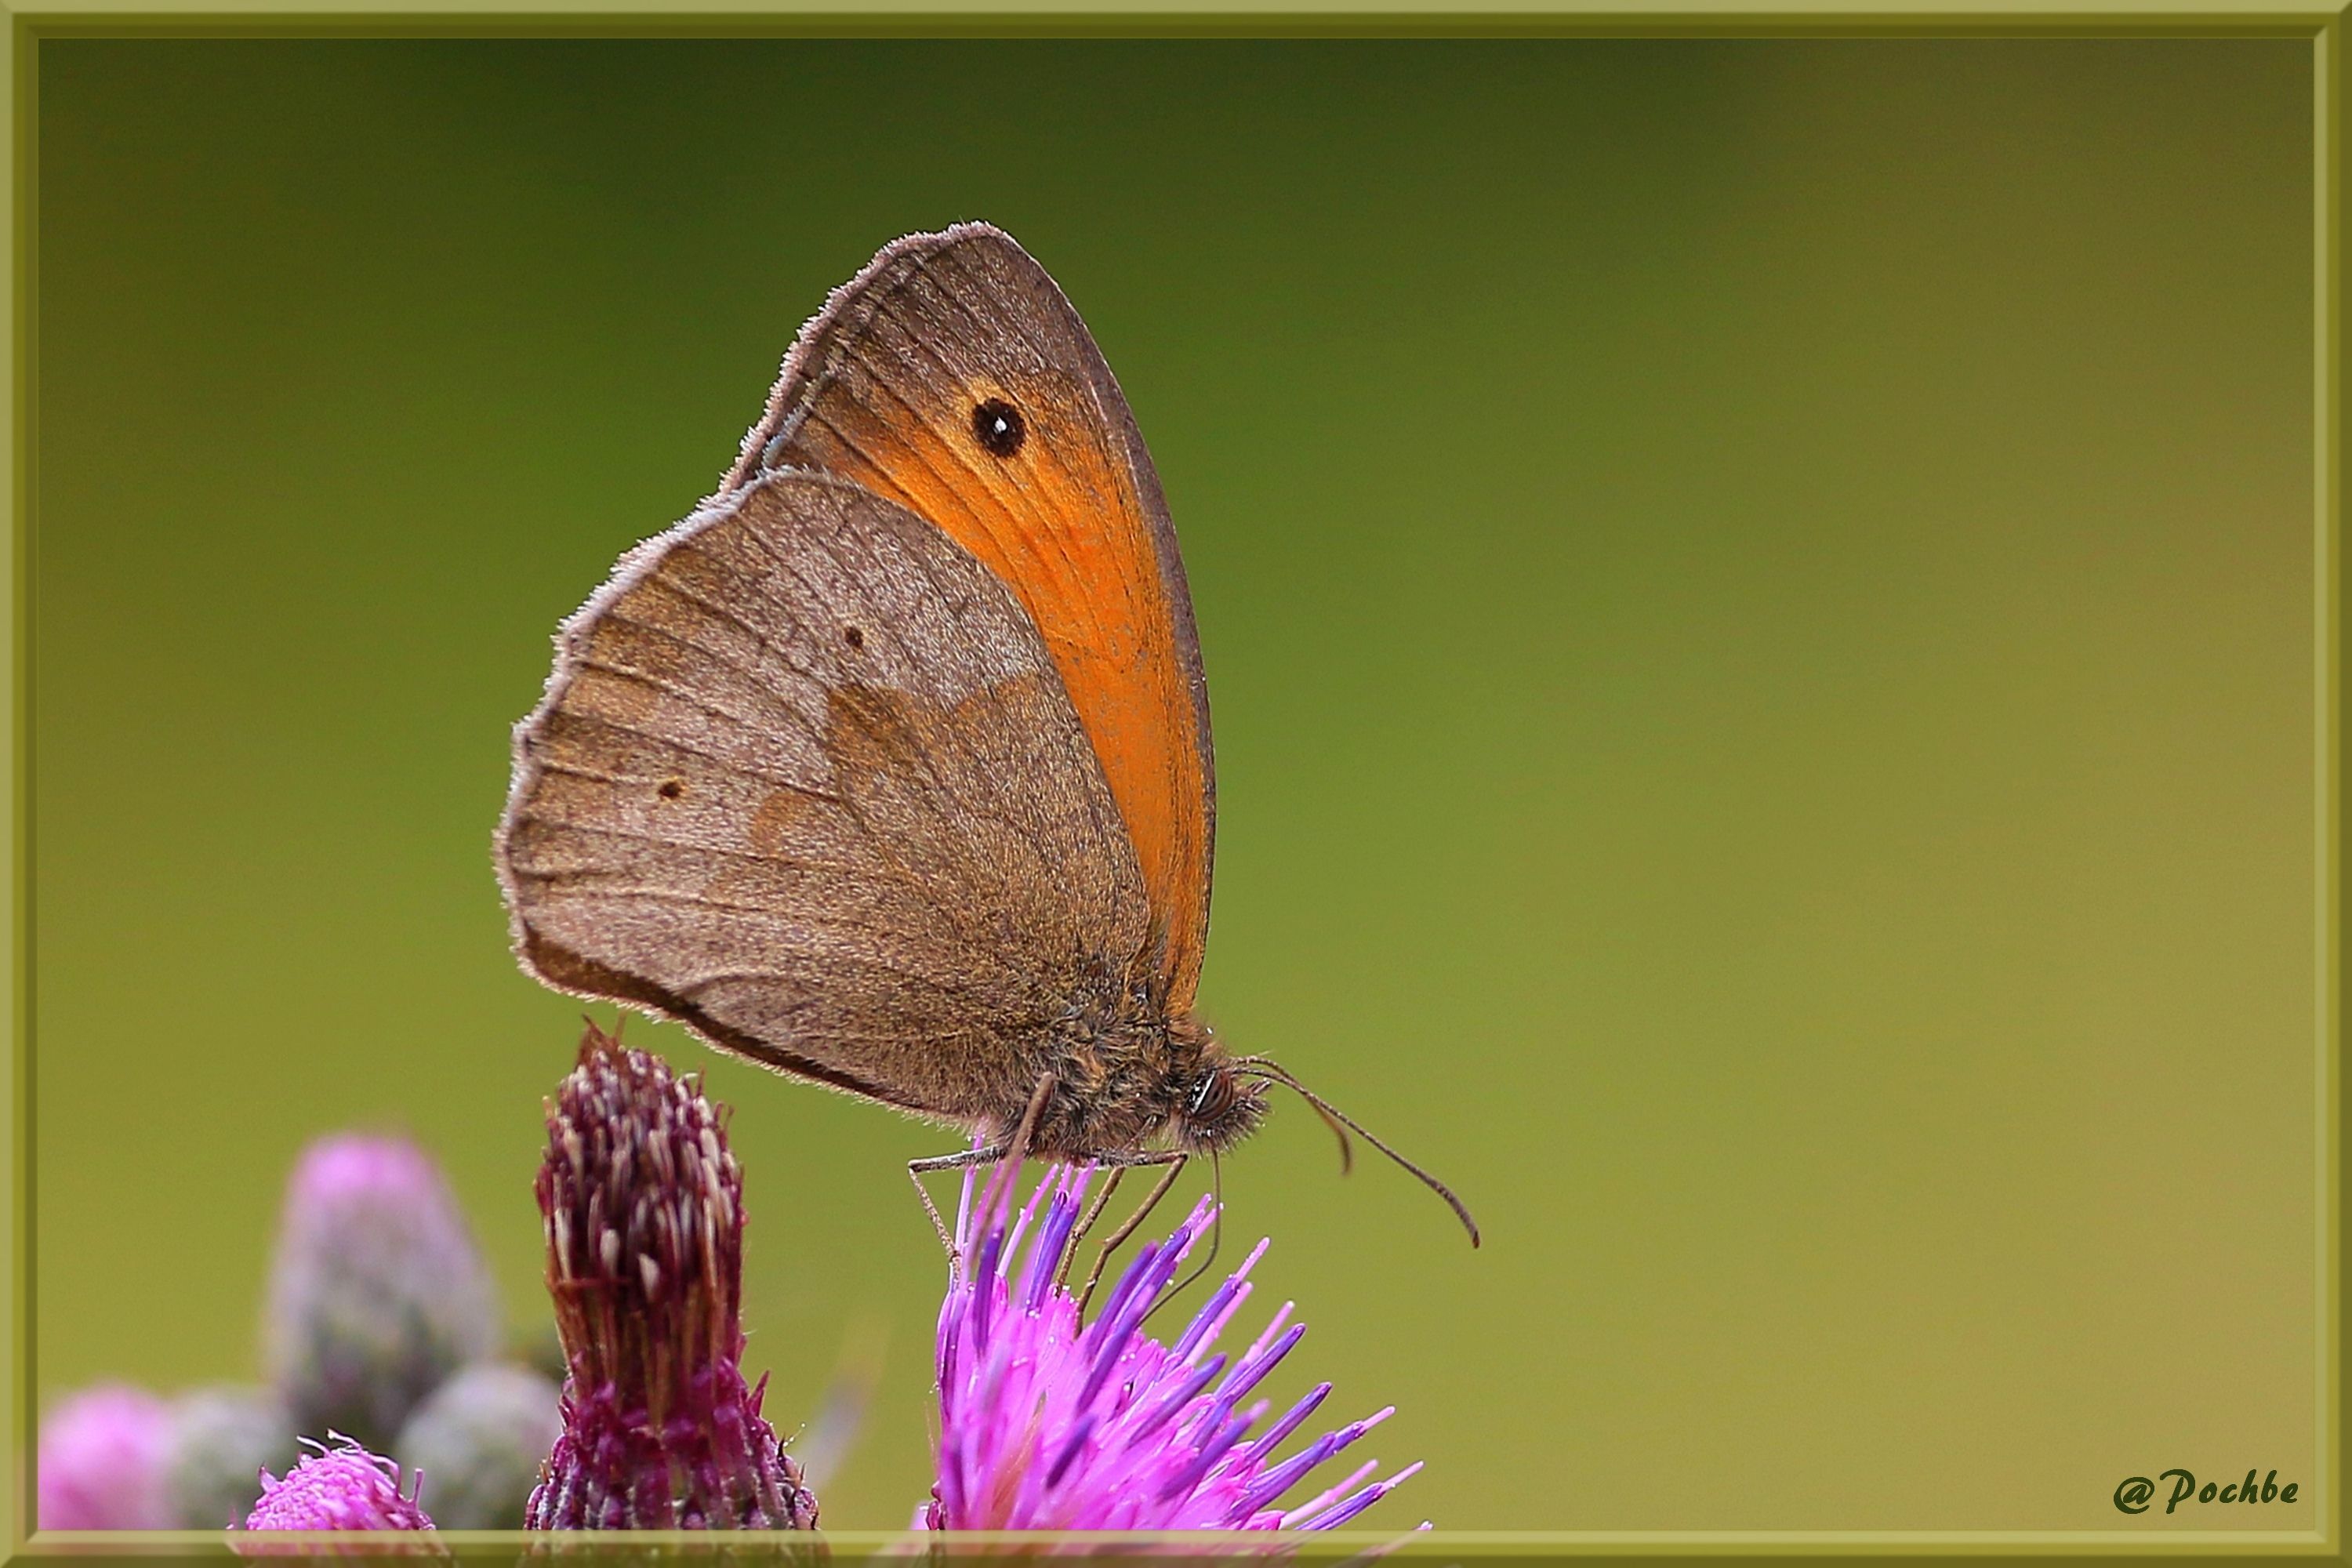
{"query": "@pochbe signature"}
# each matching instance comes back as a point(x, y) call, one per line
point(2135, 1493)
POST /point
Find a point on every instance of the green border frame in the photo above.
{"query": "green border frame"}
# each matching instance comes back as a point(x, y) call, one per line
point(2322, 23)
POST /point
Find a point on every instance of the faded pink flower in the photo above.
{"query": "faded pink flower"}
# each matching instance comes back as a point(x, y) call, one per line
point(103, 1459)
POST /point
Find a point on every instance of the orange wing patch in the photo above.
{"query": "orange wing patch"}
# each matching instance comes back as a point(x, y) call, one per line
point(950, 383)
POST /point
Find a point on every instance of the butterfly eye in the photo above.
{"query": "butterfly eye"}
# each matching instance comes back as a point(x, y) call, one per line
point(1212, 1096)
point(999, 427)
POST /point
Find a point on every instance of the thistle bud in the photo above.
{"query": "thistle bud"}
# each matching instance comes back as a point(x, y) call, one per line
point(221, 1441)
point(378, 1292)
point(482, 1437)
point(644, 1215)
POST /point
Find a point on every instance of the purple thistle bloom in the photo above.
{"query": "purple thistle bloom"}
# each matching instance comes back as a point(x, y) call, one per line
point(344, 1488)
point(1048, 1423)
point(644, 1209)
point(102, 1463)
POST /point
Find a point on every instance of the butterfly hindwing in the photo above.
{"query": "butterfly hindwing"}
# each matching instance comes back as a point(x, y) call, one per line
point(806, 779)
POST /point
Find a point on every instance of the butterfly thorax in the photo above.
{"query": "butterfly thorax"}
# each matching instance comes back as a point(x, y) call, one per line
point(1139, 1078)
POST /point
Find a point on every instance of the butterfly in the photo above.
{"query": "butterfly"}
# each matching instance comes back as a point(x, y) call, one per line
point(890, 767)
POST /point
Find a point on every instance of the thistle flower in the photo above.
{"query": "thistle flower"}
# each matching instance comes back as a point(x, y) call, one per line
point(644, 1259)
point(377, 1293)
point(222, 1440)
point(481, 1436)
point(102, 1462)
point(1048, 1423)
point(344, 1488)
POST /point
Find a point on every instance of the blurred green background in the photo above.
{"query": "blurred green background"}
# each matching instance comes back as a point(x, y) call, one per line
point(1760, 604)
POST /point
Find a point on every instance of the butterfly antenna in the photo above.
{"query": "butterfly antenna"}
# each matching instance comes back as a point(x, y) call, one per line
point(1330, 1119)
point(1346, 1150)
point(1260, 1068)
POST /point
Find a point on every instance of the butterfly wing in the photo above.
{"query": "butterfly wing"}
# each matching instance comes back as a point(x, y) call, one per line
point(953, 377)
point(806, 778)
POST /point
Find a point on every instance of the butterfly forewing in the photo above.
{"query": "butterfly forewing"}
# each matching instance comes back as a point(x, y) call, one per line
point(951, 375)
point(806, 778)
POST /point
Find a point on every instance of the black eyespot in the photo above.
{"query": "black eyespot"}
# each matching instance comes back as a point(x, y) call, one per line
point(671, 789)
point(853, 637)
point(999, 427)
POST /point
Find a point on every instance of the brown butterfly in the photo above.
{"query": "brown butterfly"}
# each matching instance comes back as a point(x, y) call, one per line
point(890, 767)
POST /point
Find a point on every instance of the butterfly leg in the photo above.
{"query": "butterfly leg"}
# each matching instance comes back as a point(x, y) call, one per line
point(1015, 1148)
point(1174, 1160)
point(1217, 1236)
point(1086, 1225)
point(918, 1169)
